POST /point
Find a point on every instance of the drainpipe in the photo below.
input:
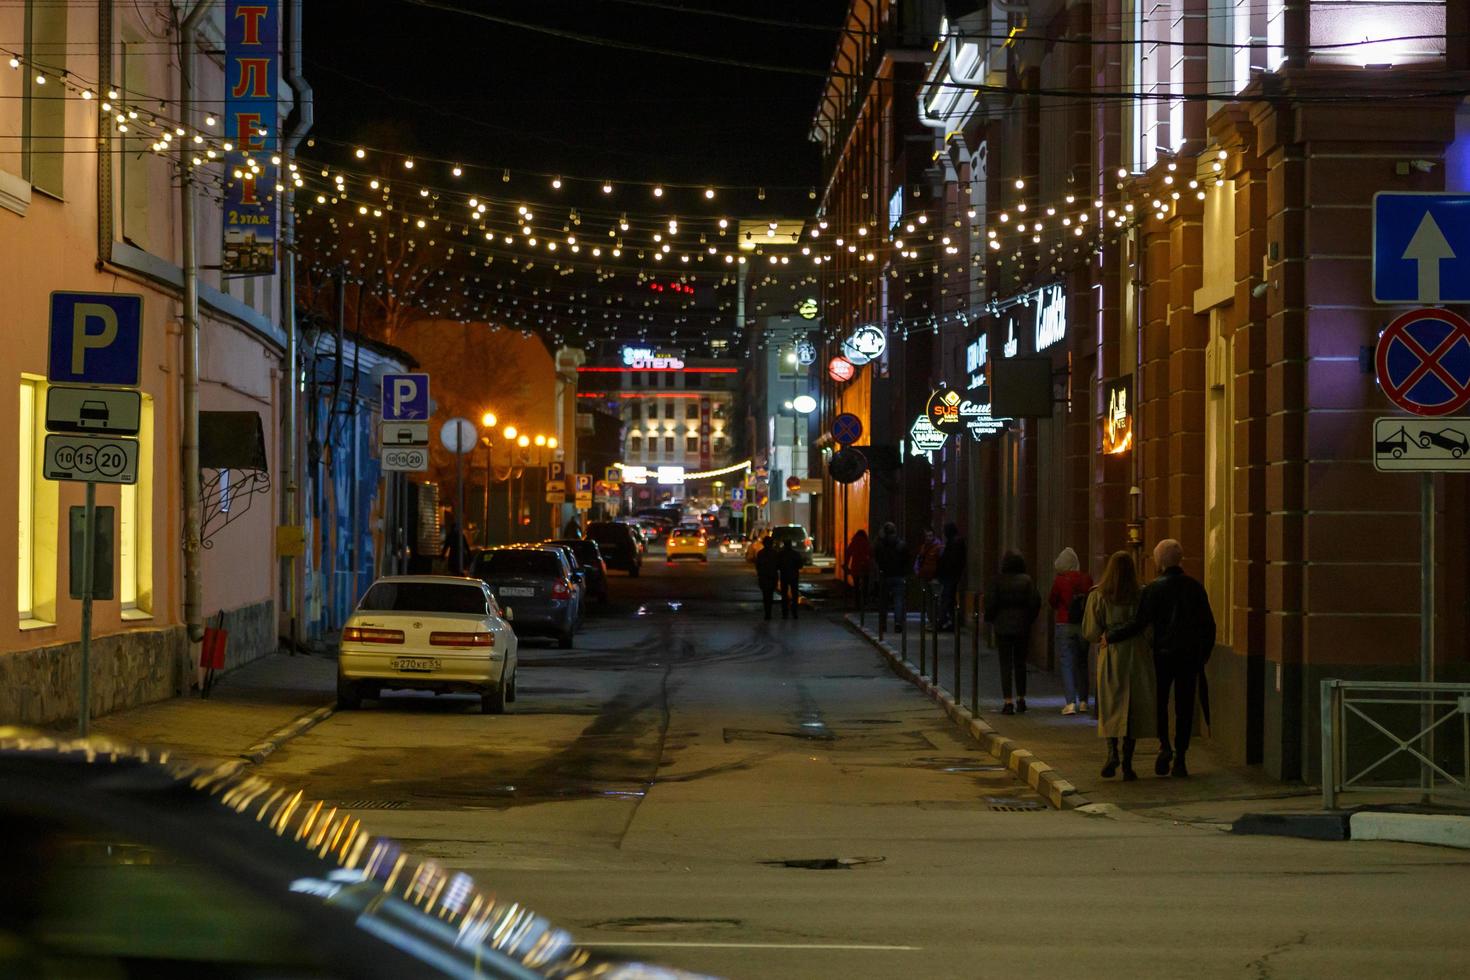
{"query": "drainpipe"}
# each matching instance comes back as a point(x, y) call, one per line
point(299, 123)
point(104, 135)
point(193, 584)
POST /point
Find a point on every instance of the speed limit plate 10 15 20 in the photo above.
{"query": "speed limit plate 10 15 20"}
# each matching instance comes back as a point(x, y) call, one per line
point(91, 459)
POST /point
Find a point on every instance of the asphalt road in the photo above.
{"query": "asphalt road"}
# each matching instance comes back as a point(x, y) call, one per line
point(698, 787)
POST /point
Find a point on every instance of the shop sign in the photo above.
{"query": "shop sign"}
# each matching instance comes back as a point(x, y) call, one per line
point(808, 309)
point(865, 344)
point(806, 353)
point(924, 437)
point(975, 355)
point(252, 71)
point(841, 370)
point(975, 413)
point(648, 359)
point(1051, 316)
point(944, 409)
point(1117, 422)
point(671, 474)
point(1012, 345)
point(635, 474)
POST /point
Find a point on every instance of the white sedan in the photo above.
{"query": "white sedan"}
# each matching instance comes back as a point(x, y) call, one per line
point(435, 633)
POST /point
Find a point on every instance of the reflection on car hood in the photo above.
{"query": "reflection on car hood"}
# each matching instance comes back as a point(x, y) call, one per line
point(372, 872)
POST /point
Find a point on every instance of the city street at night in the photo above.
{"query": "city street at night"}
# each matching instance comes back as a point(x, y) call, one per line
point(660, 490)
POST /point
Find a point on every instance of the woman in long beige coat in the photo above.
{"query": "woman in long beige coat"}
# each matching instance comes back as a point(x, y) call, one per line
point(1125, 671)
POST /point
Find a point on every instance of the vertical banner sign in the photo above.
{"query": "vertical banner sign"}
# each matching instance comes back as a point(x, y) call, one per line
point(252, 63)
point(705, 460)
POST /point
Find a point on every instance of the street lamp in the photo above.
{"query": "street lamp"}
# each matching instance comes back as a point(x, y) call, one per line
point(488, 420)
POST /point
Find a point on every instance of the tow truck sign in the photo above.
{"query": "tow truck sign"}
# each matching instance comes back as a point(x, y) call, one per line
point(1439, 445)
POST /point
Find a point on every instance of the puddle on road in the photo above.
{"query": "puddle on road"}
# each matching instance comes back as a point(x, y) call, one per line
point(824, 864)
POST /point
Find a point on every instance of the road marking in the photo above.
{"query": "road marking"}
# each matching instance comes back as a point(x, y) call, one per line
point(838, 946)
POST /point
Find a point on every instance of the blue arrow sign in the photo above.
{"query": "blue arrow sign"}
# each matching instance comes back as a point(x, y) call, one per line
point(1421, 248)
point(96, 338)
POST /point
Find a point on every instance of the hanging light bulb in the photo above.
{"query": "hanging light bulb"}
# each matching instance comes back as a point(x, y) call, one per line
point(658, 192)
point(556, 183)
point(359, 153)
point(709, 193)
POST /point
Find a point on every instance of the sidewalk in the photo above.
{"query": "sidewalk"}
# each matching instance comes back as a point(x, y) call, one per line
point(250, 710)
point(1215, 792)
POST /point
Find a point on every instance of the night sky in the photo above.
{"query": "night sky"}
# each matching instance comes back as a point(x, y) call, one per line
point(439, 83)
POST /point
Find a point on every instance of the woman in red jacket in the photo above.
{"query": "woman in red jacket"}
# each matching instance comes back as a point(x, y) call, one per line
point(1067, 599)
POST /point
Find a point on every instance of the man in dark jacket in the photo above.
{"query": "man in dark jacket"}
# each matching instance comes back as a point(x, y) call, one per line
point(788, 571)
point(892, 557)
point(1011, 606)
point(1177, 609)
point(952, 564)
point(767, 572)
point(456, 548)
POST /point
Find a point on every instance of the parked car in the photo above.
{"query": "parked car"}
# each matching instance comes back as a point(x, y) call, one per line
point(119, 865)
point(437, 633)
point(688, 542)
point(619, 547)
point(536, 586)
point(578, 575)
point(589, 556)
point(796, 534)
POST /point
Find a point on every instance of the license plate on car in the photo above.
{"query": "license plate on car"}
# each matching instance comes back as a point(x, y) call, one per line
point(517, 590)
point(416, 663)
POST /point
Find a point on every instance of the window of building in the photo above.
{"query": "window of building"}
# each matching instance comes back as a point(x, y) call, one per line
point(691, 411)
point(135, 528)
point(668, 409)
point(691, 444)
point(717, 410)
point(635, 445)
point(44, 118)
point(37, 514)
point(719, 444)
point(669, 445)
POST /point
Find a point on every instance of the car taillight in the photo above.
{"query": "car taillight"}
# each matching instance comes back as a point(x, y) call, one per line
point(561, 590)
point(602, 564)
point(438, 639)
point(808, 544)
point(366, 634)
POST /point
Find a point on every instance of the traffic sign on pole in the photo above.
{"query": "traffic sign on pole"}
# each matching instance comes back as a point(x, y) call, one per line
point(91, 459)
point(96, 339)
point(404, 459)
point(1421, 247)
point(556, 471)
point(1421, 445)
point(103, 411)
point(1423, 362)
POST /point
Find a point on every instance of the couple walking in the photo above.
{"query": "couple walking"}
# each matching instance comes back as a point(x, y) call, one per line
point(779, 567)
point(1154, 642)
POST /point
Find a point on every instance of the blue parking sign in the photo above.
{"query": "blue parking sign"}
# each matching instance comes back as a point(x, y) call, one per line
point(1421, 248)
point(405, 397)
point(96, 339)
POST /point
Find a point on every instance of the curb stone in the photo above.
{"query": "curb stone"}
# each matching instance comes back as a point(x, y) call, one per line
point(1443, 830)
point(1047, 782)
point(257, 753)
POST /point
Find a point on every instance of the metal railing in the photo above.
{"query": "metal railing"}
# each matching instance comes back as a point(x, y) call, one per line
point(930, 603)
point(1387, 709)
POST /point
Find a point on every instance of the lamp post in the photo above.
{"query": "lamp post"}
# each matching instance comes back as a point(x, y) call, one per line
point(509, 432)
point(522, 441)
point(488, 420)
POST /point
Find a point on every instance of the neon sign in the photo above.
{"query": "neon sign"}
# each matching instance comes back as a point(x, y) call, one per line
point(1051, 316)
point(646, 359)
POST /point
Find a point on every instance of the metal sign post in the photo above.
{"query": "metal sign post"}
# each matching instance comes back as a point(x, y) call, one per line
point(89, 564)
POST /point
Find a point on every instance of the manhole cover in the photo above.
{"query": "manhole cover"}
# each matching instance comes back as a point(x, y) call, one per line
point(1001, 804)
point(371, 804)
point(659, 923)
point(823, 864)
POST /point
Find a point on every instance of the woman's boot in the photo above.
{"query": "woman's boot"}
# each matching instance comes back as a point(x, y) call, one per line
point(1128, 774)
point(1110, 768)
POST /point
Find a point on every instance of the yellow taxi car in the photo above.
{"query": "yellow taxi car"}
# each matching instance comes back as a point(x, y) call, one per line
point(687, 541)
point(437, 633)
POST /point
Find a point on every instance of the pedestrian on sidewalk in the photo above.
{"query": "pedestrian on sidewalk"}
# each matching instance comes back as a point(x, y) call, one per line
point(892, 558)
point(857, 565)
point(573, 528)
point(1177, 609)
point(1125, 670)
point(788, 574)
point(1011, 606)
point(926, 568)
point(767, 573)
point(456, 548)
point(1068, 600)
point(952, 564)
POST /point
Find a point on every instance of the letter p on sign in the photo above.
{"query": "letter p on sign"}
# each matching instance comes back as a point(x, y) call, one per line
point(405, 397)
point(95, 338)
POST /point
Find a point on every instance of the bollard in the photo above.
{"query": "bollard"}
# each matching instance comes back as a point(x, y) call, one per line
point(975, 662)
point(902, 627)
point(957, 615)
point(923, 623)
point(862, 602)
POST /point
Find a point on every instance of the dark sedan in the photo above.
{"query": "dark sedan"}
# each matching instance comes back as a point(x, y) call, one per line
point(619, 548)
point(535, 586)
point(118, 865)
point(589, 557)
